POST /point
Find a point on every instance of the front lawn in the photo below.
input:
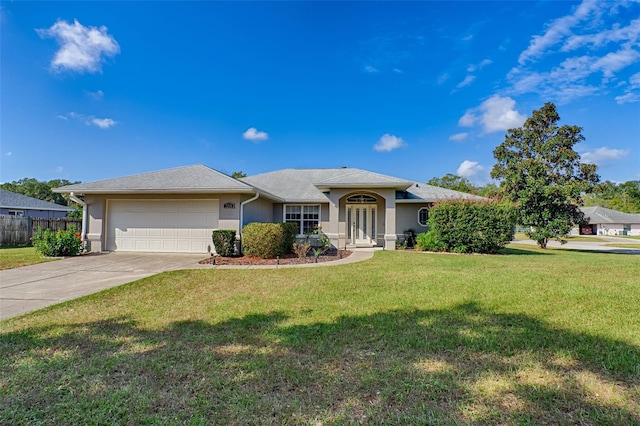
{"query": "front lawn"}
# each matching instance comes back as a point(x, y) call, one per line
point(16, 257)
point(530, 337)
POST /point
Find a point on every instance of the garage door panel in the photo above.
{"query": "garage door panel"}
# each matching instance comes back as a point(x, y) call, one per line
point(162, 226)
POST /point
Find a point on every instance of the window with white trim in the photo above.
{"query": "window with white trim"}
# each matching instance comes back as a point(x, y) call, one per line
point(306, 216)
point(18, 213)
point(423, 216)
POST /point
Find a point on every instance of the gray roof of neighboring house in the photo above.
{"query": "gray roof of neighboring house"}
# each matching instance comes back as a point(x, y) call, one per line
point(305, 185)
point(11, 200)
point(430, 193)
point(598, 215)
point(190, 179)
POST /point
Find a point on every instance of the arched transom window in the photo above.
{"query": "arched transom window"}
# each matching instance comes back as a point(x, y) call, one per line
point(362, 199)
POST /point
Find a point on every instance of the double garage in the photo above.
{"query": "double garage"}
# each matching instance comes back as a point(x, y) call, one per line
point(182, 226)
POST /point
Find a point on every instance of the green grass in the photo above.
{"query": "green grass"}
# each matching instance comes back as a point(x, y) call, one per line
point(623, 245)
point(530, 337)
point(15, 257)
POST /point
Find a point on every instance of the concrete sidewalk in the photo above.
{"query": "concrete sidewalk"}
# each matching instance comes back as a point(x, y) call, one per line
point(34, 287)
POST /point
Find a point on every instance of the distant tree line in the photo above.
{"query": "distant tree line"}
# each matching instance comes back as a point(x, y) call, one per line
point(43, 190)
point(624, 197)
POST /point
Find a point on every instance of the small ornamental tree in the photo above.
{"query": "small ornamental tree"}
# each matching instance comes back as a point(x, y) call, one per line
point(540, 171)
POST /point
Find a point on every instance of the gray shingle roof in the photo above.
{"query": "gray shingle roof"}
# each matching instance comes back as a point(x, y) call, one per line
point(430, 193)
point(342, 178)
point(11, 200)
point(195, 178)
point(599, 215)
point(305, 185)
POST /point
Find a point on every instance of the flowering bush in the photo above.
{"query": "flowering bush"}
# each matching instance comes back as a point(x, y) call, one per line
point(58, 243)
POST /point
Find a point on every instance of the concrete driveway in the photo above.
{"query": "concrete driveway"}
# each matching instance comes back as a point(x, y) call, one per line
point(33, 287)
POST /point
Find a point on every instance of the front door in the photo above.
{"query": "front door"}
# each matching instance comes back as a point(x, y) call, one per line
point(361, 224)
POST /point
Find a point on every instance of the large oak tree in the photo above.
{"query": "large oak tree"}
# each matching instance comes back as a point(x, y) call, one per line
point(540, 171)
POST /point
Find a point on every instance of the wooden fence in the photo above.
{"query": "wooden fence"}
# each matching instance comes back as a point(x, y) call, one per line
point(17, 231)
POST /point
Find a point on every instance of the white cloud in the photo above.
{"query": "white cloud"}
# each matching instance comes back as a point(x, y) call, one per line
point(96, 96)
point(468, 119)
point(388, 143)
point(103, 123)
point(602, 154)
point(468, 169)
point(632, 91)
point(443, 78)
point(557, 31)
point(458, 137)
point(9, 154)
point(595, 43)
point(467, 81)
point(370, 69)
point(254, 135)
point(480, 65)
point(495, 114)
point(82, 49)
point(398, 71)
point(59, 169)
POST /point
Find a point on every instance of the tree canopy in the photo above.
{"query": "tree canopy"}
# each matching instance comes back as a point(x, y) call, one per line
point(238, 174)
point(42, 190)
point(624, 197)
point(451, 181)
point(539, 170)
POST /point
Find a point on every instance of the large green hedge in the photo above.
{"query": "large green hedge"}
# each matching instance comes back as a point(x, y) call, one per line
point(469, 226)
point(268, 240)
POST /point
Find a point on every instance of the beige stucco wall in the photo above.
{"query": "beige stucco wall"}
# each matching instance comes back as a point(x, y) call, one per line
point(260, 210)
point(385, 215)
point(407, 218)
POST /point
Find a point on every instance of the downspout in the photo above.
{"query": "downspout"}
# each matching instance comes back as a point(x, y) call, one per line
point(73, 197)
point(242, 204)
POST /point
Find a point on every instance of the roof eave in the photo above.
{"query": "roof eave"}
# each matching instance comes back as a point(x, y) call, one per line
point(56, 209)
point(159, 191)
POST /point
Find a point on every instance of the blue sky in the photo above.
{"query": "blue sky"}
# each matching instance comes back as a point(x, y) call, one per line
point(94, 90)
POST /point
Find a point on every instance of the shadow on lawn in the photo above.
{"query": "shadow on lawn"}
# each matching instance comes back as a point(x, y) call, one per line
point(460, 365)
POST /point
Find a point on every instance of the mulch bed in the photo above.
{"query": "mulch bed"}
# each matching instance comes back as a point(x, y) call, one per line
point(286, 259)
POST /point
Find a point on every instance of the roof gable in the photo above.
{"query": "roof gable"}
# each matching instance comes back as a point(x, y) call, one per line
point(14, 200)
point(362, 178)
point(195, 178)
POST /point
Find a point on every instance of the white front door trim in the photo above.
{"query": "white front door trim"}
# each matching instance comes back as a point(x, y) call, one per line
point(361, 224)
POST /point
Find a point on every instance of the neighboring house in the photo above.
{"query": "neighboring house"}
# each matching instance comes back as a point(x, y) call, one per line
point(22, 206)
point(175, 210)
point(603, 221)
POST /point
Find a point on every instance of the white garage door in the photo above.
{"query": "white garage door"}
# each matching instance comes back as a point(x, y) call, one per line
point(162, 226)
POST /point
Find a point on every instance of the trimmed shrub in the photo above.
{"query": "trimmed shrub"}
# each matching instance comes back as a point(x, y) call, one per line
point(469, 226)
point(268, 240)
point(224, 242)
point(427, 242)
point(58, 243)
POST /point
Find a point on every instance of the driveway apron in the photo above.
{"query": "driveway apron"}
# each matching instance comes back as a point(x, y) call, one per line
point(33, 287)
